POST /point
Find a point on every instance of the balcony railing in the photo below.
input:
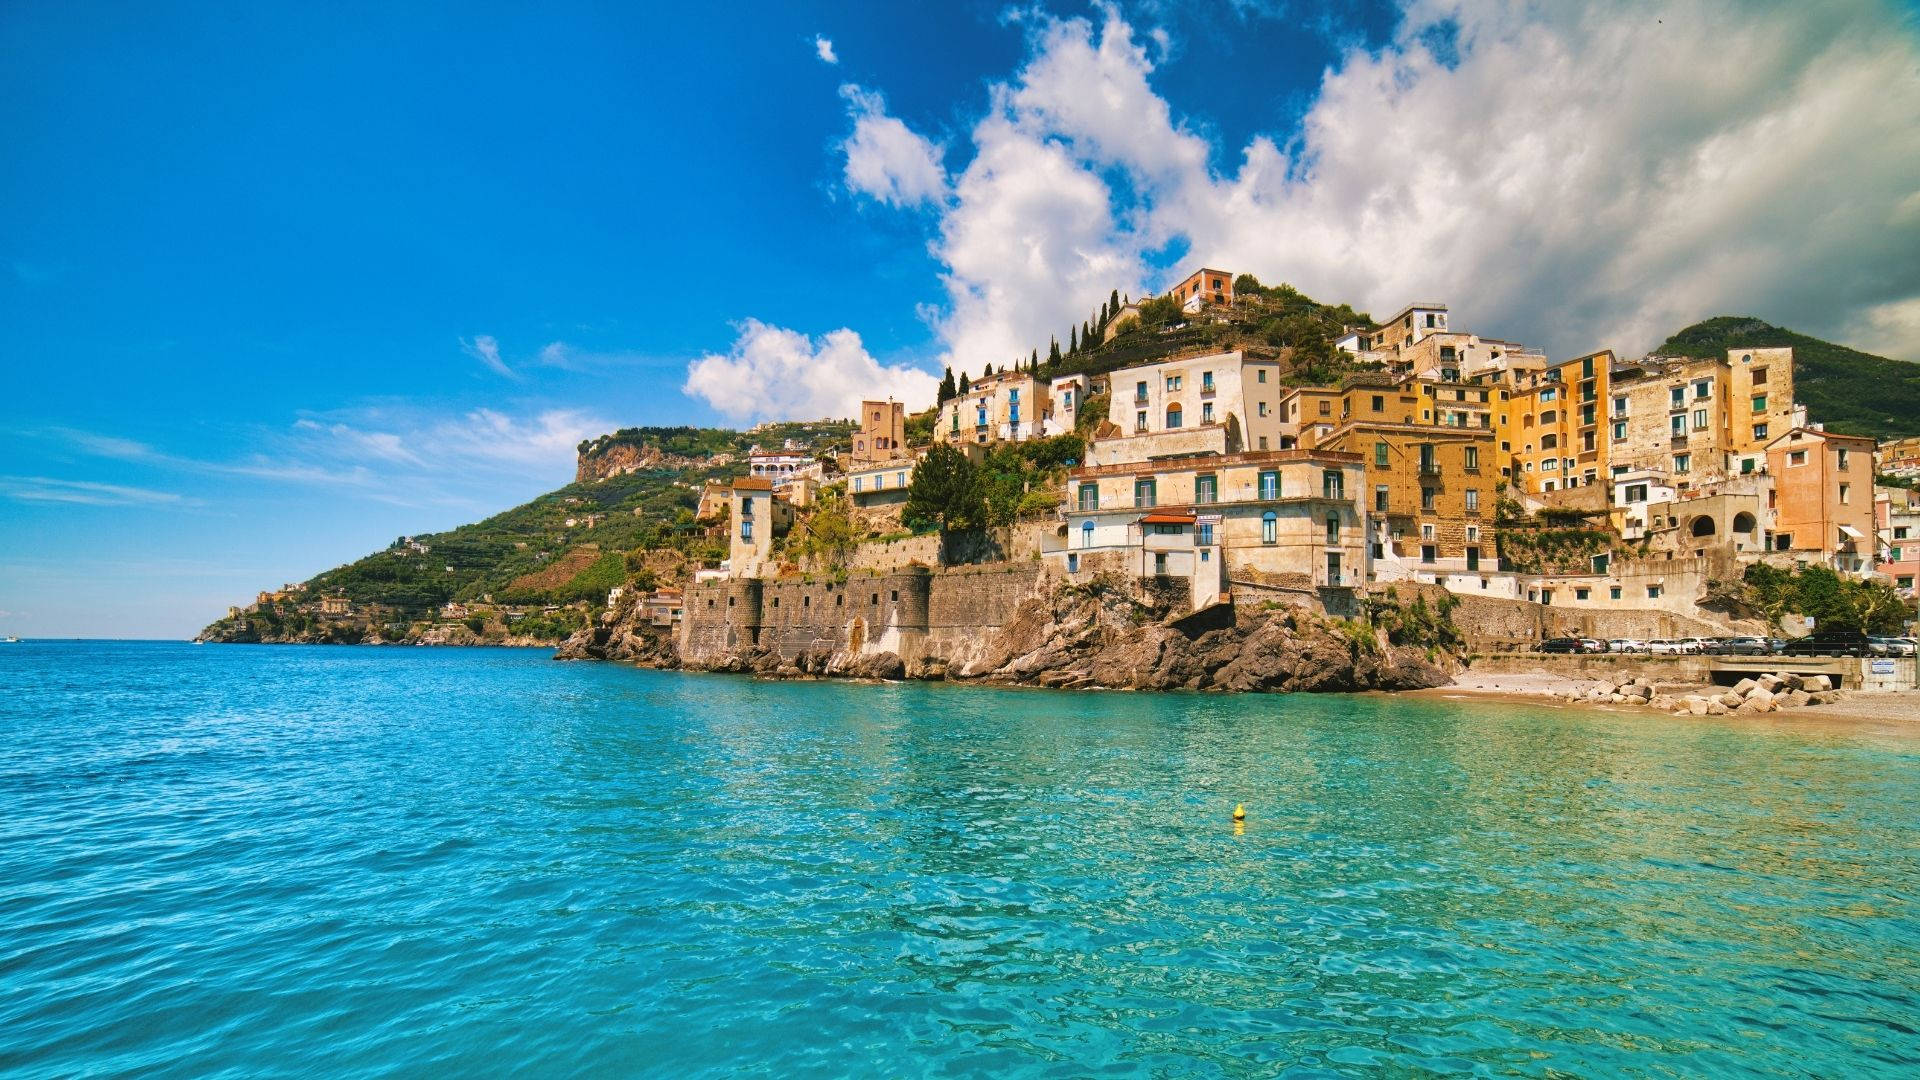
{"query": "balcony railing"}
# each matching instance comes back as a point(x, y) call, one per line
point(1429, 468)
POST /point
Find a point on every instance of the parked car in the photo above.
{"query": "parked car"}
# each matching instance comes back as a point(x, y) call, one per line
point(1889, 646)
point(1594, 644)
point(1744, 646)
point(1668, 647)
point(1626, 645)
point(1564, 645)
point(1699, 645)
point(1829, 643)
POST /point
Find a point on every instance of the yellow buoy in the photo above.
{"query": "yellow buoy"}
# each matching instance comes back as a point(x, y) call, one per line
point(1239, 811)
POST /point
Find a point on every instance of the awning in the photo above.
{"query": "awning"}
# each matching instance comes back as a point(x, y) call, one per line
point(1851, 533)
point(1167, 519)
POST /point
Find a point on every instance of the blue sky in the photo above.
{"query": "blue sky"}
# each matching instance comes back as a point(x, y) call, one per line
point(277, 286)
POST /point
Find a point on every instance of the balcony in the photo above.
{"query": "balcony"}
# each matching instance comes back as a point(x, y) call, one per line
point(1429, 468)
point(1677, 439)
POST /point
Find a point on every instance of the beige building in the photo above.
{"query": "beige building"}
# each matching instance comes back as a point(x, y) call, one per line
point(1237, 393)
point(882, 434)
point(756, 516)
point(1823, 497)
point(1009, 406)
point(881, 483)
point(1696, 421)
point(1406, 329)
point(1292, 513)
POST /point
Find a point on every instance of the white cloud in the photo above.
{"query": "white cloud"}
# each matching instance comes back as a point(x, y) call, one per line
point(86, 493)
point(824, 50)
point(486, 350)
point(773, 373)
point(1572, 176)
point(887, 160)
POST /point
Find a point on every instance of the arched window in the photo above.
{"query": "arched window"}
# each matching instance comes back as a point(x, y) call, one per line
point(1173, 415)
point(1743, 522)
point(1086, 534)
point(1269, 527)
point(1703, 525)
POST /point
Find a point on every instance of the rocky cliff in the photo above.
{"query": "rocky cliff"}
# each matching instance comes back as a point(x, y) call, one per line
point(616, 459)
point(1098, 635)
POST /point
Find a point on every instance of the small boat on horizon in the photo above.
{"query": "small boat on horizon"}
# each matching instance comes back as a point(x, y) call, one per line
point(9, 640)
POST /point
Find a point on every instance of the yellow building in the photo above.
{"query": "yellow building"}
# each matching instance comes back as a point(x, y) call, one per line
point(1008, 406)
point(1548, 424)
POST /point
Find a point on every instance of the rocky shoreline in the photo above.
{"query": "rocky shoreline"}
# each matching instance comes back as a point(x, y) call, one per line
point(1087, 638)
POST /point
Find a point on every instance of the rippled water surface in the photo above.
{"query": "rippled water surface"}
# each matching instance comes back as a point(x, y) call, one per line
point(259, 861)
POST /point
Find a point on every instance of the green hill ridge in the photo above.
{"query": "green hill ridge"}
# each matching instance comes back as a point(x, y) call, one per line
point(1851, 392)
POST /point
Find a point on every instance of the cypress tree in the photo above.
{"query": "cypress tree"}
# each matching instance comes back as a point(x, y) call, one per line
point(963, 382)
point(1034, 363)
point(1053, 352)
point(1073, 340)
point(947, 390)
point(1113, 302)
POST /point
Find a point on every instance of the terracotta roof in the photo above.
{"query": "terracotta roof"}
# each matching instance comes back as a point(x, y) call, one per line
point(753, 483)
point(1165, 517)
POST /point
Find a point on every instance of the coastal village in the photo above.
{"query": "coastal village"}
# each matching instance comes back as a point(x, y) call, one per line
point(1598, 496)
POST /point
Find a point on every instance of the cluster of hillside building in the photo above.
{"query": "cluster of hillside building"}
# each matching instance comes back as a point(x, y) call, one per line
point(1215, 469)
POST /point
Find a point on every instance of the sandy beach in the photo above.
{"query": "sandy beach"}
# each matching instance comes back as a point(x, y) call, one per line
point(1896, 709)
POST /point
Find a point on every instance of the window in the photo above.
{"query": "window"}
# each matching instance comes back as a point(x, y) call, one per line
point(1796, 457)
point(1845, 490)
point(1899, 533)
point(1270, 485)
point(1140, 392)
point(1326, 408)
point(1620, 432)
point(1582, 594)
point(856, 484)
point(1073, 563)
point(1549, 417)
point(879, 483)
point(1678, 424)
point(1426, 531)
point(1332, 485)
point(899, 479)
point(1269, 528)
point(1427, 497)
point(1140, 420)
point(1782, 541)
point(1470, 459)
point(1619, 406)
point(1089, 496)
point(1204, 533)
point(1473, 500)
point(1380, 452)
point(1206, 489)
point(1549, 442)
point(1333, 530)
point(1473, 533)
point(1677, 397)
point(1759, 431)
point(1086, 534)
point(1174, 416)
point(1206, 382)
point(1759, 376)
point(1682, 463)
point(1699, 419)
point(1840, 459)
point(1379, 403)
point(1380, 495)
point(1206, 412)
point(1702, 389)
point(1613, 592)
point(1653, 592)
point(1263, 408)
point(1143, 493)
point(1636, 493)
point(1759, 403)
point(1429, 553)
point(1173, 382)
point(1586, 414)
point(1261, 375)
point(746, 529)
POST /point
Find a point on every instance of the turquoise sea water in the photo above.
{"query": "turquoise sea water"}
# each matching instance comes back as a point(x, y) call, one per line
point(270, 861)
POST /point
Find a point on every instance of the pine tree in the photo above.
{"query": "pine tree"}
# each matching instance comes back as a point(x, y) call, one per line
point(947, 390)
point(963, 382)
point(1035, 362)
point(1073, 341)
point(1086, 335)
point(1113, 303)
point(1053, 352)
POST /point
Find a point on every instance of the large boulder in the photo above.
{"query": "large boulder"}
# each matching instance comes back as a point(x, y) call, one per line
point(1813, 684)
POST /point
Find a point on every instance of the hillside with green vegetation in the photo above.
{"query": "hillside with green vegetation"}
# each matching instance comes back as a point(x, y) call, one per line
point(565, 547)
point(1278, 319)
point(1852, 392)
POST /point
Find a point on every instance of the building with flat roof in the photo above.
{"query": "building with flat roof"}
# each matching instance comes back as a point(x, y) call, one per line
point(1823, 497)
point(882, 434)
